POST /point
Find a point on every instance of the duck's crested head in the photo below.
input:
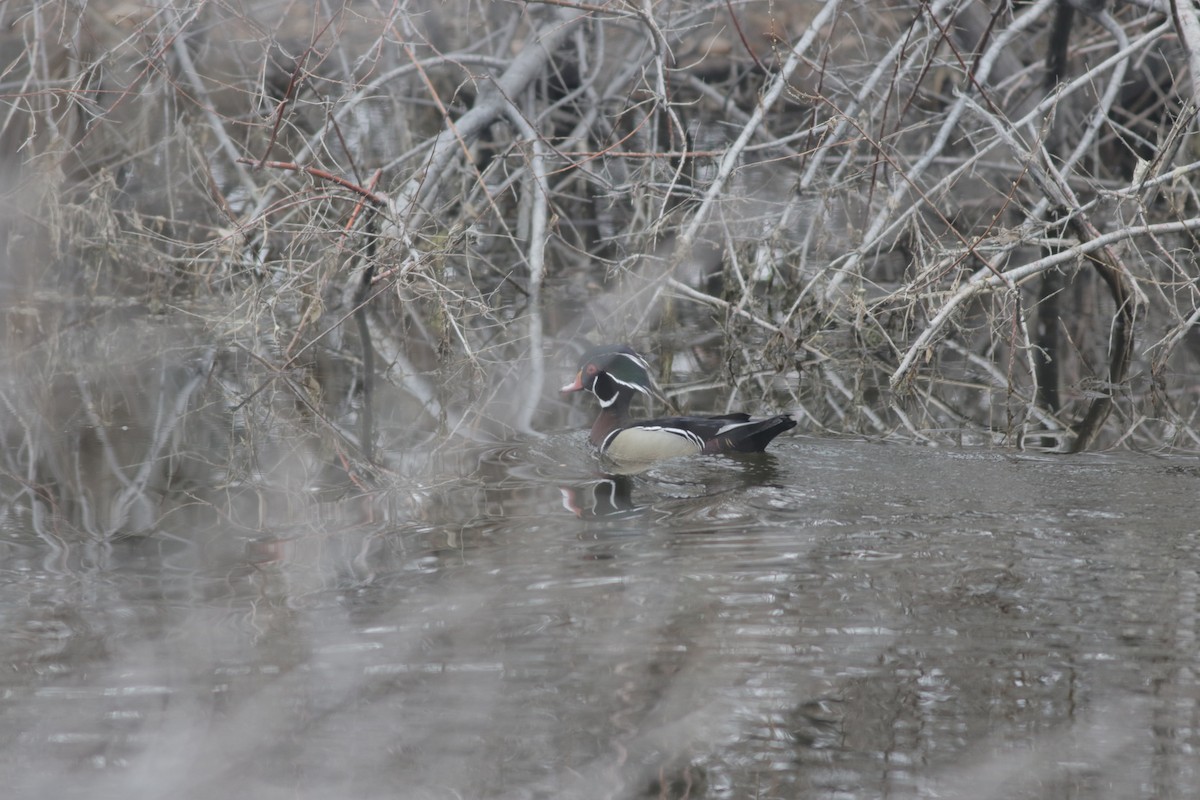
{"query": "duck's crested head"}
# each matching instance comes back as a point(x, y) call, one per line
point(607, 370)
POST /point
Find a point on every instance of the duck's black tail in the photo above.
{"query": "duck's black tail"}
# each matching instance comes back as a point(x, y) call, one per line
point(749, 437)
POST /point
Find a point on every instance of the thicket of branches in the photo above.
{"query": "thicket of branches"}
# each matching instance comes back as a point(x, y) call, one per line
point(399, 223)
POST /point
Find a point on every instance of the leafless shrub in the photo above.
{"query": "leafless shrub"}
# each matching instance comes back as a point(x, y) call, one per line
point(937, 220)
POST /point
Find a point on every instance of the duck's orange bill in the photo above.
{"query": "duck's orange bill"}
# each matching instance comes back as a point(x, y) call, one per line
point(577, 386)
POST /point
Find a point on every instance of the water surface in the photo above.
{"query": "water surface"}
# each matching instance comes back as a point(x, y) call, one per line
point(832, 619)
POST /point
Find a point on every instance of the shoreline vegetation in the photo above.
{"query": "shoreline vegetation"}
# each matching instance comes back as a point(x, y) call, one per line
point(324, 242)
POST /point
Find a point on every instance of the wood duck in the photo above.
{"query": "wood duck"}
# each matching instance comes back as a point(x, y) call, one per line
point(615, 374)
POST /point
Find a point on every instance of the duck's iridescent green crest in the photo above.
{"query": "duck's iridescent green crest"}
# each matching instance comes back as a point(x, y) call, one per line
point(615, 374)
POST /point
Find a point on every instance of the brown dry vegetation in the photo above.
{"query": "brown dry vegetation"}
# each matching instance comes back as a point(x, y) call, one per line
point(895, 218)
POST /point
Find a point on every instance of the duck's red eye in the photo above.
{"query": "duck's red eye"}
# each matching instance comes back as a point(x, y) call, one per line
point(592, 369)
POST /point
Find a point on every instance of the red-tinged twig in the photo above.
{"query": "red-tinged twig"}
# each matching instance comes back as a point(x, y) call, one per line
point(293, 84)
point(367, 194)
point(358, 207)
point(737, 26)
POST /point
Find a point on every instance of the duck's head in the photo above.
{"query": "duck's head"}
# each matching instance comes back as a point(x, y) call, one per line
point(610, 372)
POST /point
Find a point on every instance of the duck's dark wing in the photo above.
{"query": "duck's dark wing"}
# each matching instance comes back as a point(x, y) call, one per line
point(704, 428)
point(726, 433)
point(745, 435)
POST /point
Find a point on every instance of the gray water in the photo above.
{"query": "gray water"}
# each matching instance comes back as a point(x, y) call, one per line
point(834, 619)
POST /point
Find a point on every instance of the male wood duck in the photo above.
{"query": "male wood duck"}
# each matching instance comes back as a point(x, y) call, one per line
point(616, 373)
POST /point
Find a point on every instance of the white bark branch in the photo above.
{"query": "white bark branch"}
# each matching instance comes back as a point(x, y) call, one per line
point(985, 281)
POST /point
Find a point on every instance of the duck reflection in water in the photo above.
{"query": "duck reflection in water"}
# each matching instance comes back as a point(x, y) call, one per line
point(610, 497)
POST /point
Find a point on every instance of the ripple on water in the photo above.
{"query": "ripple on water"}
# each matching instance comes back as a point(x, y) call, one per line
point(775, 627)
